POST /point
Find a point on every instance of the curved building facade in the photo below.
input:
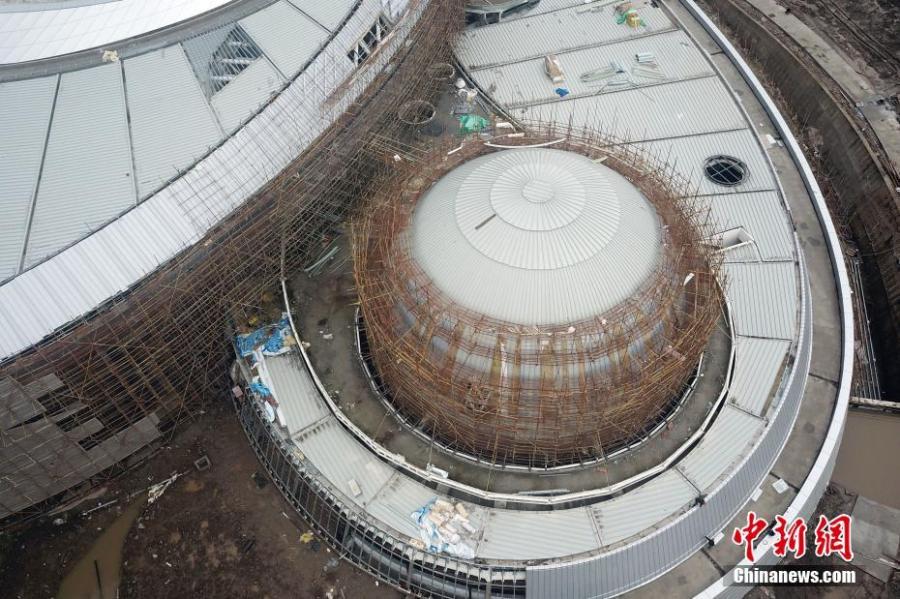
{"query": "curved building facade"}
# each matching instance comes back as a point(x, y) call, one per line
point(662, 84)
point(116, 327)
point(165, 162)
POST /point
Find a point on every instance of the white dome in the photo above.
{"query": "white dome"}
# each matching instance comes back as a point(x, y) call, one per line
point(536, 236)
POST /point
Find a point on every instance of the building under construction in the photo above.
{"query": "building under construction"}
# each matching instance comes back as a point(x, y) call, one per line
point(135, 236)
point(585, 328)
point(536, 306)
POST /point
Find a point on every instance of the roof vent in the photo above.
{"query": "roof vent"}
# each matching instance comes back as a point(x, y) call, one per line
point(725, 170)
point(219, 56)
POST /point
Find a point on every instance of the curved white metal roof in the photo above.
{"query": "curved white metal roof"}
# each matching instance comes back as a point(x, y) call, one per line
point(635, 537)
point(35, 31)
point(109, 169)
point(536, 236)
point(97, 141)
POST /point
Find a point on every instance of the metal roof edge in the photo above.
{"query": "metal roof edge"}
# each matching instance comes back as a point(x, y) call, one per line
point(807, 497)
point(135, 45)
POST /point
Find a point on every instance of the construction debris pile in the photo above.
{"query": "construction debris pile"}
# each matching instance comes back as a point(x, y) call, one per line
point(269, 340)
point(644, 69)
point(445, 527)
point(626, 13)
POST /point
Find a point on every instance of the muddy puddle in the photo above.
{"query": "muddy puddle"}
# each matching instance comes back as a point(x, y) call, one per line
point(96, 575)
point(867, 460)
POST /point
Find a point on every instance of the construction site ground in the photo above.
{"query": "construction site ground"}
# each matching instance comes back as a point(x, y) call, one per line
point(221, 532)
point(857, 43)
point(863, 30)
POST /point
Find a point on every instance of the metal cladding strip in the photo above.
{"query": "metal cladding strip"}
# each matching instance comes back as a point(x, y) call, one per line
point(610, 574)
point(806, 499)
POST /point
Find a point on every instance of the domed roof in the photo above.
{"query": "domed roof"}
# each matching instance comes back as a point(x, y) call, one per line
point(536, 236)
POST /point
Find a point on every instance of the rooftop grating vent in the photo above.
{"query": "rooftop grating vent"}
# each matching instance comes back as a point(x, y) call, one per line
point(373, 38)
point(221, 55)
point(725, 170)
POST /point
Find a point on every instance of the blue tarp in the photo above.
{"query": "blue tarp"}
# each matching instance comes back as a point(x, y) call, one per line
point(270, 336)
point(260, 389)
point(433, 537)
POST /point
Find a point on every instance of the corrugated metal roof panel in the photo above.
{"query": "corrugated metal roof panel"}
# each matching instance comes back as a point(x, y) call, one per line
point(511, 534)
point(53, 293)
point(25, 108)
point(543, 7)
point(758, 364)
point(397, 500)
point(526, 82)
point(603, 230)
point(87, 176)
point(329, 14)
point(761, 214)
point(124, 443)
point(61, 28)
point(57, 291)
point(47, 461)
point(162, 89)
point(643, 507)
point(689, 155)
point(726, 441)
point(294, 391)
point(235, 102)
point(569, 29)
point(763, 298)
point(682, 108)
point(15, 405)
point(219, 55)
point(337, 454)
point(287, 36)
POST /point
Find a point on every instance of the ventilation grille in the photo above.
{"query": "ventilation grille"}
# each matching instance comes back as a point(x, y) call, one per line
point(371, 40)
point(725, 170)
point(221, 55)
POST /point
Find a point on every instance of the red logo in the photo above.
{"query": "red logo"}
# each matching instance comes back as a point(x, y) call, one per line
point(747, 534)
point(831, 536)
point(790, 538)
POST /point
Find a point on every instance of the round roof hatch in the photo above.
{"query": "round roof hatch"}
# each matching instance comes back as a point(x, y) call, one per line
point(725, 170)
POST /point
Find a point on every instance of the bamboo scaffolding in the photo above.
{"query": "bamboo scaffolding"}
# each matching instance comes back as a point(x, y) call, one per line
point(601, 383)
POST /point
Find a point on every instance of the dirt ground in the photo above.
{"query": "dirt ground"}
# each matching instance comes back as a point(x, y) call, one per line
point(866, 31)
point(222, 532)
point(226, 532)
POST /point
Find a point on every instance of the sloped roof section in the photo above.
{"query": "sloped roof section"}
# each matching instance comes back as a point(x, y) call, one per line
point(102, 133)
point(87, 177)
